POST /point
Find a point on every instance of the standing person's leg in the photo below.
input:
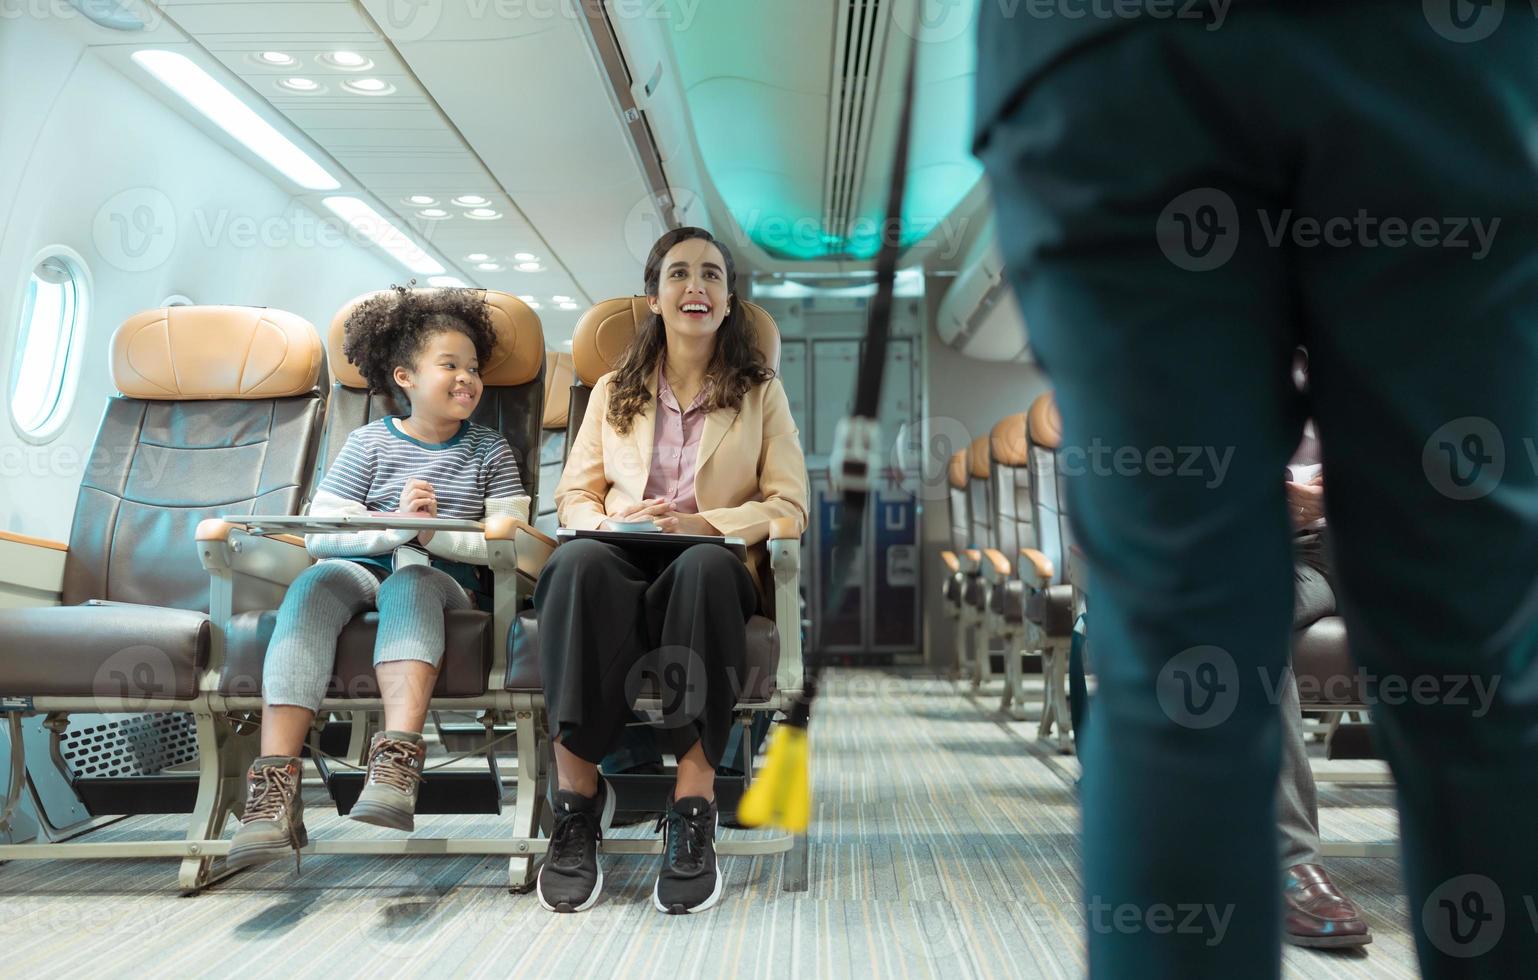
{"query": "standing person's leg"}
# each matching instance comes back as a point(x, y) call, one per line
point(407, 654)
point(591, 623)
point(1171, 372)
point(696, 611)
point(1424, 355)
point(299, 662)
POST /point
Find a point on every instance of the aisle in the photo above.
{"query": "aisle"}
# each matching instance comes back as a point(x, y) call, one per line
point(944, 844)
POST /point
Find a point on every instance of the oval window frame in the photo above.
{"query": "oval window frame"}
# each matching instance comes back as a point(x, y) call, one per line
point(69, 381)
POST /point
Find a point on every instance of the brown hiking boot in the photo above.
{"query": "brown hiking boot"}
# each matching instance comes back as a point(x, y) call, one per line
point(389, 797)
point(273, 823)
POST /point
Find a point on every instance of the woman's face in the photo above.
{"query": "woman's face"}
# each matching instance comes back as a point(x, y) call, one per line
point(692, 296)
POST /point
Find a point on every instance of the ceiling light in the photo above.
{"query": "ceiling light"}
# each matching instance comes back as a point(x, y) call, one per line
point(527, 299)
point(566, 343)
point(300, 85)
point(422, 200)
point(530, 267)
point(477, 257)
point(368, 86)
point(568, 306)
point(483, 214)
point(446, 282)
point(369, 223)
point(178, 73)
point(524, 256)
point(277, 59)
point(470, 200)
point(489, 267)
point(532, 306)
point(435, 213)
point(347, 61)
point(560, 299)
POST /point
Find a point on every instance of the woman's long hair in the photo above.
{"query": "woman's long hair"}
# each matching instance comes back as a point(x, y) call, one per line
point(735, 367)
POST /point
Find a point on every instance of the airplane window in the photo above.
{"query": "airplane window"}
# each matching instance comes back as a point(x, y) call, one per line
point(47, 348)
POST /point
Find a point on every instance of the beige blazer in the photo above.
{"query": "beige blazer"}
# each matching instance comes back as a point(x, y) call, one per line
point(750, 469)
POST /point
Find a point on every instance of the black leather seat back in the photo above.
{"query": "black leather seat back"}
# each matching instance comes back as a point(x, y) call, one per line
point(197, 432)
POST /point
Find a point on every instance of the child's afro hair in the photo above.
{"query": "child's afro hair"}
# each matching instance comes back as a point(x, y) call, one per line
point(390, 330)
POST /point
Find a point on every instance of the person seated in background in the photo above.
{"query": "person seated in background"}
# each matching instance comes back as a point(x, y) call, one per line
point(693, 433)
point(1317, 914)
point(427, 346)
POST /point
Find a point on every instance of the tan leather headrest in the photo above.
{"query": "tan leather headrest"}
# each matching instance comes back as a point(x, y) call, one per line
point(1043, 424)
point(604, 332)
point(558, 374)
point(1007, 440)
point(516, 359)
point(957, 470)
point(202, 352)
point(978, 462)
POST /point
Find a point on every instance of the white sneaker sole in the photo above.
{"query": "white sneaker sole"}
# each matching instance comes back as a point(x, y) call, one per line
point(604, 820)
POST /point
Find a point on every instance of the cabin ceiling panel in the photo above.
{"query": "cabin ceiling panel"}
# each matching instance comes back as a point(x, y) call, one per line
point(401, 143)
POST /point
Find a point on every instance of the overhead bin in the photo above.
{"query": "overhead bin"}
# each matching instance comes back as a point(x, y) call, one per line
point(979, 315)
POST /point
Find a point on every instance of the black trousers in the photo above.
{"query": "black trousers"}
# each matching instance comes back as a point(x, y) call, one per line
point(615, 624)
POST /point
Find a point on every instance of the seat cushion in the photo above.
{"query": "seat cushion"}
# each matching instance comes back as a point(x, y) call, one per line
point(975, 592)
point(952, 588)
point(523, 673)
point(104, 650)
point(466, 659)
point(1322, 663)
point(1051, 609)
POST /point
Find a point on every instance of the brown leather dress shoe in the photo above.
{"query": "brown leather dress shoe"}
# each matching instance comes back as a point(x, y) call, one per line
point(1318, 915)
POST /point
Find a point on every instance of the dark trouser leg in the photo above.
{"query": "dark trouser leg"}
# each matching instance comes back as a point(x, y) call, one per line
point(696, 610)
point(589, 600)
point(1174, 391)
point(1415, 349)
point(1297, 798)
point(1427, 412)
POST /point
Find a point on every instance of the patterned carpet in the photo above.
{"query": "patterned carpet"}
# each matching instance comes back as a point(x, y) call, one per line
point(944, 844)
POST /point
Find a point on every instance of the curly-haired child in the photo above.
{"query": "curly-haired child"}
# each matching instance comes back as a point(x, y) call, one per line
point(428, 346)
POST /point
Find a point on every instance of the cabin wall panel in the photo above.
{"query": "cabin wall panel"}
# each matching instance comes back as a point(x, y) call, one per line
point(90, 159)
point(964, 397)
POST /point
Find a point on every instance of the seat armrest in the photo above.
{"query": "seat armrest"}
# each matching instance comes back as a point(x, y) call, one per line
point(784, 528)
point(995, 565)
point(785, 562)
point(31, 570)
point(952, 563)
point(529, 547)
point(1041, 566)
point(247, 571)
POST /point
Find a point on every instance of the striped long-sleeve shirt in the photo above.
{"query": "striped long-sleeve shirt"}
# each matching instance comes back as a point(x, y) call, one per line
point(474, 475)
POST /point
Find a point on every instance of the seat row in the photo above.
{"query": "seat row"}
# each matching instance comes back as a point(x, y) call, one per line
point(1005, 574)
point(164, 598)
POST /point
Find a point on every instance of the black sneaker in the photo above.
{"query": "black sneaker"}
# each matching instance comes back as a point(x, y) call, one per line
point(570, 879)
point(690, 880)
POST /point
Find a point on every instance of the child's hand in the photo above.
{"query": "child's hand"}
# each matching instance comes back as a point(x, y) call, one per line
point(417, 498)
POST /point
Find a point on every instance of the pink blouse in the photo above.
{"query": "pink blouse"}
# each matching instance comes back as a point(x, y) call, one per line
point(675, 449)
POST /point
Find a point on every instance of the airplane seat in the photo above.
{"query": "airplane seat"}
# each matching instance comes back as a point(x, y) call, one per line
point(512, 403)
point(217, 412)
point(1049, 599)
point(774, 656)
point(1012, 530)
point(553, 441)
point(976, 594)
point(955, 557)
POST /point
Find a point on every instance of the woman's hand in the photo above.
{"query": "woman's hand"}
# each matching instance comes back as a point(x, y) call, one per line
point(1305, 501)
point(419, 500)
point(675, 522)
point(646, 510)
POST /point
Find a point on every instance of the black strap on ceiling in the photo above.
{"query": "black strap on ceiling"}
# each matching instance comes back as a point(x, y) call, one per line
point(853, 467)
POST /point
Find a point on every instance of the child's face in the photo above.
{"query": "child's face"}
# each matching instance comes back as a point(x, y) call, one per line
point(445, 382)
